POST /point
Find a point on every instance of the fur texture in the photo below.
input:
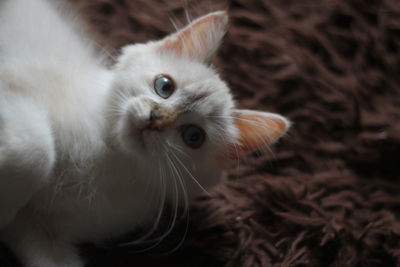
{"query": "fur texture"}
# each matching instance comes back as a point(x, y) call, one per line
point(78, 161)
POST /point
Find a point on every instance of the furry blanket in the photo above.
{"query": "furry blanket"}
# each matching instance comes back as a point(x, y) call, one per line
point(329, 194)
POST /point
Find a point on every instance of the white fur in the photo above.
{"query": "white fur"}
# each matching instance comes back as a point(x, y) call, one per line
point(72, 168)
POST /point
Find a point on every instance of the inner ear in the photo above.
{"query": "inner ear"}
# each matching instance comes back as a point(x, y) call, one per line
point(199, 40)
point(257, 129)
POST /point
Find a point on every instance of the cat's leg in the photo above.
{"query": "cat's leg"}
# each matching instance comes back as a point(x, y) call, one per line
point(26, 153)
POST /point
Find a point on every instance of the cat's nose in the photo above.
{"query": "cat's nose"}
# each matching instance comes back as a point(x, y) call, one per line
point(160, 118)
point(154, 115)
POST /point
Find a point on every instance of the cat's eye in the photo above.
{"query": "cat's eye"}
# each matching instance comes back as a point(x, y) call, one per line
point(193, 136)
point(164, 85)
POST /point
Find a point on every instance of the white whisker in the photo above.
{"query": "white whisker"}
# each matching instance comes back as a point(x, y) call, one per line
point(190, 174)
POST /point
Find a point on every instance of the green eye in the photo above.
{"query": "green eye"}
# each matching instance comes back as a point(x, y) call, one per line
point(164, 85)
point(193, 136)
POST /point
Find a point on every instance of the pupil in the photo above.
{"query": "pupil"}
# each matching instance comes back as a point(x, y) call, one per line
point(194, 137)
point(166, 87)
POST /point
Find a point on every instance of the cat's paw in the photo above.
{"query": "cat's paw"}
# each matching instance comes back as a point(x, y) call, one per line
point(139, 111)
point(134, 119)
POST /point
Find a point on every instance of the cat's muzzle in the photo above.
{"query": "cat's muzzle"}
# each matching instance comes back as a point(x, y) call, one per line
point(160, 118)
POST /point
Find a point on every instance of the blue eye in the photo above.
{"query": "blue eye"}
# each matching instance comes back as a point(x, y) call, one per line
point(193, 136)
point(164, 86)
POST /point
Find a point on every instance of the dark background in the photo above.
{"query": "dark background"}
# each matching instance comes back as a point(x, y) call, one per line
point(329, 195)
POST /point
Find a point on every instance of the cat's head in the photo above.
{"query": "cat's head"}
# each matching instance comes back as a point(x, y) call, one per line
point(173, 110)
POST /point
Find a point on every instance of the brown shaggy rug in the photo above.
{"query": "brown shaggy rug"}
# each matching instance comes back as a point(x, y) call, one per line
point(329, 194)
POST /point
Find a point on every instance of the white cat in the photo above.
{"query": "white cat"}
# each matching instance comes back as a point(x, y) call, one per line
point(88, 152)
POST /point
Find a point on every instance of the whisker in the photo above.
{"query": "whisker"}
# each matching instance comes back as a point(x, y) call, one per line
point(173, 22)
point(174, 211)
point(190, 174)
point(183, 186)
point(156, 223)
point(179, 149)
point(185, 210)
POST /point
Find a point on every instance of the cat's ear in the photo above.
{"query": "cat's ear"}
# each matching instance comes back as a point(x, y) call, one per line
point(199, 40)
point(257, 130)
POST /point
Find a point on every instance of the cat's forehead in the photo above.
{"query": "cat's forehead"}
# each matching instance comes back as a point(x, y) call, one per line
point(184, 71)
point(198, 86)
point(146, 60)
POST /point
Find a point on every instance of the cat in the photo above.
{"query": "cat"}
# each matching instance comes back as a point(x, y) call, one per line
point(89, 152)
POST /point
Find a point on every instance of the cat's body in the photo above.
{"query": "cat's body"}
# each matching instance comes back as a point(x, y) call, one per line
point(89, 153)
